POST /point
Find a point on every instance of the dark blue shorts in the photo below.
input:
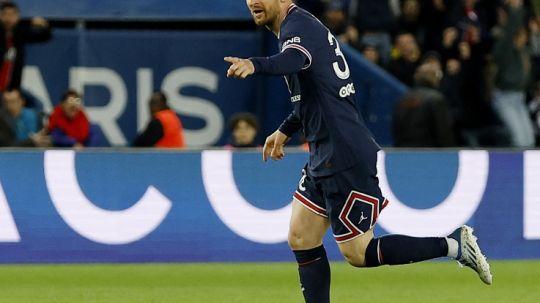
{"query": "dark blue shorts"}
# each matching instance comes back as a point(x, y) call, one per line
point(351, 199)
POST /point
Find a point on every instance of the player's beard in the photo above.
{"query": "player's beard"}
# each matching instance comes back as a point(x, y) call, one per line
point(263, 20)
point(267, 17)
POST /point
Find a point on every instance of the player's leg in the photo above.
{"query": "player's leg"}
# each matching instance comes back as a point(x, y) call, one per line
point(309, 223)
point(461, 245)
point(307, 229)
point(356, 202)
point(367, 251)
point(353, 230)
point(305, 239)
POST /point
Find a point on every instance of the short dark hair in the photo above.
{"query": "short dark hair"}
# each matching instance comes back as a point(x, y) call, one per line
point(70, 93)
point(249, 118)
point(158, 100)
point(431, 55)
point(8, 4)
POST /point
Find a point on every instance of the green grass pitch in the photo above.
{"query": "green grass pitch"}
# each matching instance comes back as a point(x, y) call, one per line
point(515, 281)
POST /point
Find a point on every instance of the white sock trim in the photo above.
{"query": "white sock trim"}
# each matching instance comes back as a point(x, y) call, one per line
point(453, 247)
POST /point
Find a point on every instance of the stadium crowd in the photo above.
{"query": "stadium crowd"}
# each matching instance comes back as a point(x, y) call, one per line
point(485, 52)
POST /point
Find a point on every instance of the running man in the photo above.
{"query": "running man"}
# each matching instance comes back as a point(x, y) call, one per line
point(339, 186)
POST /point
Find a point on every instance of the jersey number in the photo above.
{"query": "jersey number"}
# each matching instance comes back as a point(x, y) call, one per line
point(342, 74)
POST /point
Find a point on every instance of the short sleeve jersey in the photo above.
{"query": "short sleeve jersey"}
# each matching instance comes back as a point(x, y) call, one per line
point(323, 96)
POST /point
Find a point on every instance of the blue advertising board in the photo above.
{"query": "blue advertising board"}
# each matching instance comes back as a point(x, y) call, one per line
point(219, 205)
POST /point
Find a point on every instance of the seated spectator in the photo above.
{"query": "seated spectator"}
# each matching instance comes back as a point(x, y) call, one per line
point(421, 117)
point(68, 124)
point(25, 120)
point(244, 128)
point(405, 58)
point(164, 129)
point(19, 125)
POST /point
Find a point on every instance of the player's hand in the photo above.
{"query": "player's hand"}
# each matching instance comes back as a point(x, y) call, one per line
point(240, 68)
point(39, 22)
point(273, 146)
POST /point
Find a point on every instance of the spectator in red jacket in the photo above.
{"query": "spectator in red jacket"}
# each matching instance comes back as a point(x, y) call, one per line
point(68, 124)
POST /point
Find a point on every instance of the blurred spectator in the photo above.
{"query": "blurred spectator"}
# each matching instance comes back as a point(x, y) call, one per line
point(244, 128)
point(25, 120)
point(68, 124)
point(513, 69)
point(409, 19)
point(405, 58)
point(335, 18)
point(534, 41)
point(467, 38)
point(164, 129)
point(373, 22)
point(432, 57)
point(434, 16)
point(450, 82)
point(468, 20)
point(14, 34)
point(19, 125)
point(534, 109)
point(421, 117)
point(371, 53)
point(452, 87)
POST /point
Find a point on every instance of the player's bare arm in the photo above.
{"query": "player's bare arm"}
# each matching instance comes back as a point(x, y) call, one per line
point(240, 68)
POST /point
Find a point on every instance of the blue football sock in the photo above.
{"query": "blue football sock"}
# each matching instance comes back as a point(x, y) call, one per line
point(398, 249)
point(314, 274)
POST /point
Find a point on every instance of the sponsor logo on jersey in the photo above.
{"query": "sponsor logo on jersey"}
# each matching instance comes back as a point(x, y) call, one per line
point(296, 98)
point(347, 90)
point(295, 40)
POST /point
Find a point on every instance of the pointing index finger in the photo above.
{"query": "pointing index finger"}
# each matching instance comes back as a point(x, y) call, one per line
point(231, 60)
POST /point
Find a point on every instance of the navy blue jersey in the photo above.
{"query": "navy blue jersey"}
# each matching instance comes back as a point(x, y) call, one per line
point(322, 94)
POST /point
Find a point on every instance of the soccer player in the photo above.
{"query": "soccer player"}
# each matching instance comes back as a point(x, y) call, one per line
point(339, 186)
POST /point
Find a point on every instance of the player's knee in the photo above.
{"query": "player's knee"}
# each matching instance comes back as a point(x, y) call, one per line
point(354, 255)
point(299, 240)
point(296, 240)
point(355, 259)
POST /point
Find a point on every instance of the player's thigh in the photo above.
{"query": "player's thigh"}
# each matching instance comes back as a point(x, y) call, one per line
point(307, 228)
point(354, 251)
point(309, 220)
point(354, 202)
